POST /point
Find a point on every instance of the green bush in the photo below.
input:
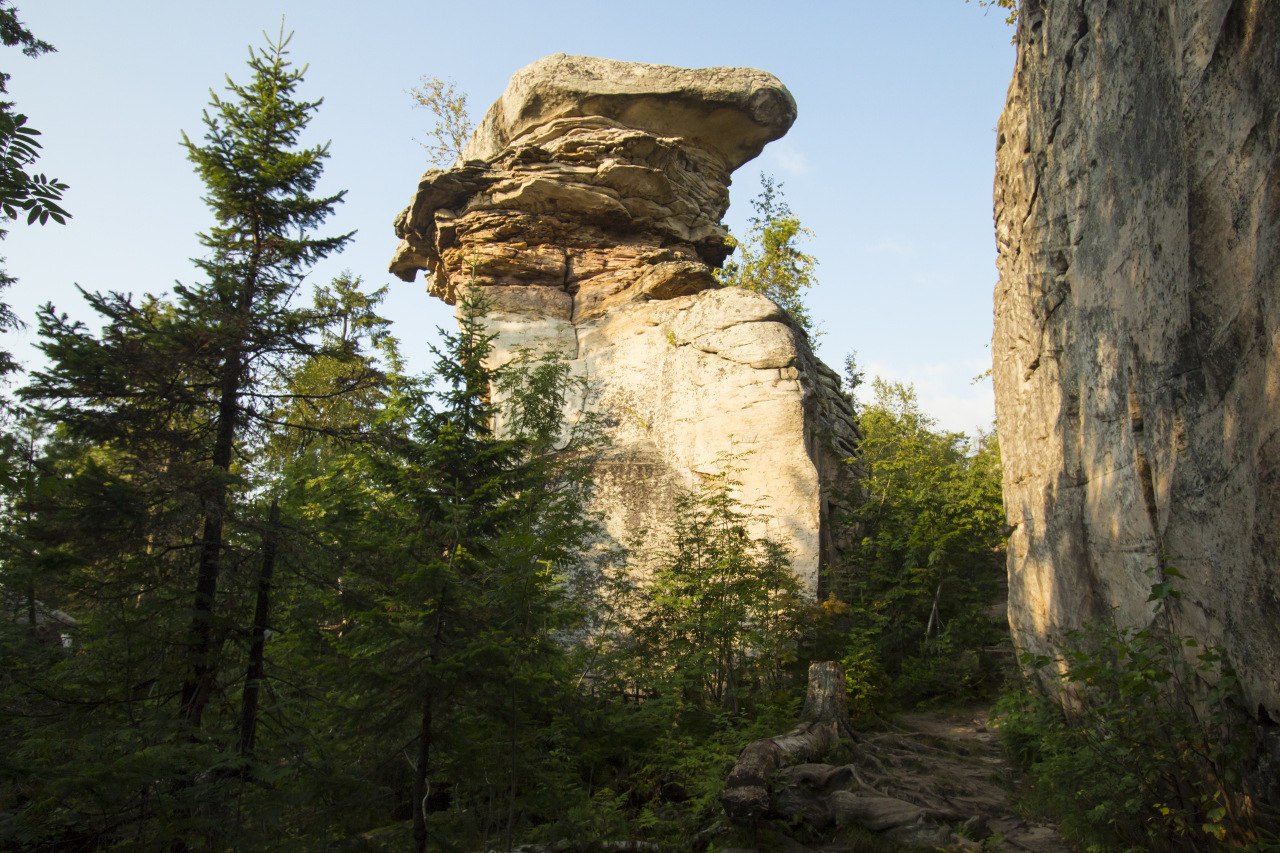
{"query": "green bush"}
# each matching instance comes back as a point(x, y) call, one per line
point(1144, 749)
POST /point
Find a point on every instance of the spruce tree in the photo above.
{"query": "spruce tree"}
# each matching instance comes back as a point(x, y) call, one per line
point(260, 184)
point(713, 619)
point(156, 521)
point(452, 610)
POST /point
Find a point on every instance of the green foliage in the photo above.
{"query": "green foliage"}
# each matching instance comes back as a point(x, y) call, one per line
point(13, 33)
point(692, 657)
point(259, 183)
point(181, 389)
point(451, 545)
point(714, 615)
point(1010, 6)
point(536, 391)
point(9, 322)
point(930, 562)
point(453, 127)
point(1145, 749)
point(36, 194)
point(238, 496)
point(334, 395)
point(854, 376)
point(148, 522)
point(770, 260)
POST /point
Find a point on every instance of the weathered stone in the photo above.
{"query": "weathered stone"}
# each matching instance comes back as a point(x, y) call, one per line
point(1137, 329)
point(587, 208)
point(731, 111)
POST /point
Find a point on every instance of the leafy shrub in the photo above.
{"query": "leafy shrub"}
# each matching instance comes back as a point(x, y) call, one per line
point(1144, 749)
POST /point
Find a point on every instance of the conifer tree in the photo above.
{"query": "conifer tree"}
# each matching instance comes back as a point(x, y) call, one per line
point(454, 542)
point(263, 244)
point(179, 388)
point(714, 616)
point(160, 419)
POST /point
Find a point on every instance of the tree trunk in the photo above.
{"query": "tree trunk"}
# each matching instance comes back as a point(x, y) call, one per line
point(824, 720)
point(935, 618)
point(28, 483)
point(257, 651)
point(420, 773)
point(198, 687)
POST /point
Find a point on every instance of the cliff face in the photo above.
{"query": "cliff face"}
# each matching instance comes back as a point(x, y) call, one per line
point(1137, 322)
point(587, 208)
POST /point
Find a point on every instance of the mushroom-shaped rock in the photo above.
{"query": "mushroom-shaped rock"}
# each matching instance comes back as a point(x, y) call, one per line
point(733, 112)
point(587, 208)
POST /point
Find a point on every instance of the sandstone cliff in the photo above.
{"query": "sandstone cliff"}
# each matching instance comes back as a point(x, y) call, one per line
point(587, 207)
point(1137, 336)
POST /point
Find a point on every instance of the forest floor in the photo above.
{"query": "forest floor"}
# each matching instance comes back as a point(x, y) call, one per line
point(933, 780)
point(954, 760)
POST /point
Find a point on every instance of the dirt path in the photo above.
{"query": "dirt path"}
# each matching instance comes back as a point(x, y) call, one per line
point(952, 767)
point(930, 780)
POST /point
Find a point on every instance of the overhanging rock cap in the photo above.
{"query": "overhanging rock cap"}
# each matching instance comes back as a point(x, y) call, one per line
point(733, 112)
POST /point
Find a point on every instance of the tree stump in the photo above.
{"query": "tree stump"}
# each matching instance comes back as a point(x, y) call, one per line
point(824, 720)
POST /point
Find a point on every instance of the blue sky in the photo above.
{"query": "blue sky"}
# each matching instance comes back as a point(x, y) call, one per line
point(889, 164)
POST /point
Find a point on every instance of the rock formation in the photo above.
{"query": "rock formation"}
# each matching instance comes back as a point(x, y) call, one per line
point(1137, 323)
point(587, 207)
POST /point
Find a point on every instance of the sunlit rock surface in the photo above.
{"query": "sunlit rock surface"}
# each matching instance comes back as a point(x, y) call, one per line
point(587, 207)
point(1137, 323)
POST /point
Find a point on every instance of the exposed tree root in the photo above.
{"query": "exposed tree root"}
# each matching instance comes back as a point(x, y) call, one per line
point(933, 780)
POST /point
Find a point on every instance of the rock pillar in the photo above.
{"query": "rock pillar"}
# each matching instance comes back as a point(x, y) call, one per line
point(587, 207)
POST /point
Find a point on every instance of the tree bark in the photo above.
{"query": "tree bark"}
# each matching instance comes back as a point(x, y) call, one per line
point(199, 684)
point(824, 720)
point(257, 651)
point(420, 775)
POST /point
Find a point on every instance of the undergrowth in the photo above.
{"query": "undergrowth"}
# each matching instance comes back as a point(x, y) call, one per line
point(1144, 749)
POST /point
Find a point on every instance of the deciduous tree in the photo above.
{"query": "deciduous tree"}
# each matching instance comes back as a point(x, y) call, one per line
point(453, 127)
point(930, 561)
point(37, 195)
point(770, 260)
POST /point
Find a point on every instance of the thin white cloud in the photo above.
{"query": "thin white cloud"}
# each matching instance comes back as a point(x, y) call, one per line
point(789, 159)
point(945, 390)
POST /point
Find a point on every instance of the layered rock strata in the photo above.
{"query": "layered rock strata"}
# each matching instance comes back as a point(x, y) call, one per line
point(587, 209)
point(1137, 323)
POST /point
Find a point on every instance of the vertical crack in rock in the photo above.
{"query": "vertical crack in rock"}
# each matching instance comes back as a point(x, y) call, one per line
point(587, 206)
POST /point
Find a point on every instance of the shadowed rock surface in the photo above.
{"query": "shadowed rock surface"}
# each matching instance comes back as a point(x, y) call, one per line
point(1137, 324)
point(587, 209)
